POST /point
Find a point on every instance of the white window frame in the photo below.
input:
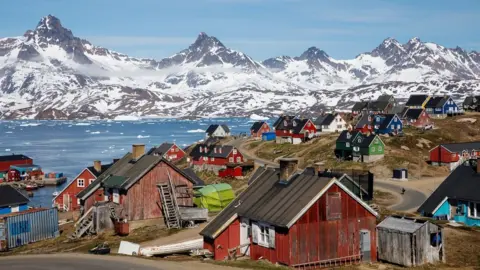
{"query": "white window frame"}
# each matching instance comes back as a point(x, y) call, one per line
point(347, 144)
point(230, 160)
point(82, 181)
point(476, 208)
point(234, 151)
point(212, 159)
point(239, 159)
point(265, 235)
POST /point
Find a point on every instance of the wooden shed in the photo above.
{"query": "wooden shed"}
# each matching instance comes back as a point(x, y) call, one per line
point(409, 242)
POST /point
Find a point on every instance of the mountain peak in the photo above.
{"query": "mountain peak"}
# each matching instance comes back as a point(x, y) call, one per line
point(414, 40)
point(313, 53)
point(205, 41)
point(49, 22)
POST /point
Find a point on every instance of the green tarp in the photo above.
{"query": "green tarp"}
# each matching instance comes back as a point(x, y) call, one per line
point(214, 197)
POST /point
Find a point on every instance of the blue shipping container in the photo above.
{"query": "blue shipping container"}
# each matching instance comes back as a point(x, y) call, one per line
point(268, 136)
point(24, 228)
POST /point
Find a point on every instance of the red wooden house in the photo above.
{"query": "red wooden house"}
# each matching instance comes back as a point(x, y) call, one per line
point(258, 128)
point(131, 184)
point(453, 154)
point(365, 124)
point(289, 129)
point(9, 160)
point(169, 151)
point(231, 171)
point(294, 219)
point(417, 117)
point(66, 199)
point(214, 157)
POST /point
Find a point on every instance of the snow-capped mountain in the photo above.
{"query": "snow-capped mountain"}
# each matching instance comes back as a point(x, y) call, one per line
point(49, 73)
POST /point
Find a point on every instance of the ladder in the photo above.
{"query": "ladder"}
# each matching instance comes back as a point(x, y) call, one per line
point(169, 204)
point(113, 212)
point(84, 225)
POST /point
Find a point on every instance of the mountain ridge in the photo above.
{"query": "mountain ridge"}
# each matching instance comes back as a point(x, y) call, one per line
point(49, 69)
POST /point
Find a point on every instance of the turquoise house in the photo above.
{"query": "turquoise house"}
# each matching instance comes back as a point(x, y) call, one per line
point(458, 197)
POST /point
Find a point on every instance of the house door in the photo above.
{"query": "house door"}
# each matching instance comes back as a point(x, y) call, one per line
point(365, 245)
point(66, 202)
point(245, 236)
point(115, 196)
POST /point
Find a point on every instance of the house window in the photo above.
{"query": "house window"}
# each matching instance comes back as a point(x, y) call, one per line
point(373, 149)
point(347, 144)
point(334, 206)
point(239, 159)
point(234, 151)
point(398, 127)
point(212, 159)
point(263, 235)
point(379, 148)
point(230, 160)
point(80, 183)
point(176, 149)
point(78, 201)
point(474, 210)
point(91, 181)
point(205, 158)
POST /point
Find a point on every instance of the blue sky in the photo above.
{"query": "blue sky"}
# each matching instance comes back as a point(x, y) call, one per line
point(260, 28)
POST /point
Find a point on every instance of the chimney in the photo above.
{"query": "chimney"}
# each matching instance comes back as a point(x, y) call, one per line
point(319, 167)
point(288, 166)
point(138, 150)
point(97, 165)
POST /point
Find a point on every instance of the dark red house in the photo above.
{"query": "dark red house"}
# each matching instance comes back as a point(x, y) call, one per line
point(169, 151)
point(298, 219)
point(365, 124)
point(289, 129)
point(131, 184)
point(66, 200)
point(418, 118)
point(231, 171)
point(258, 128)
point(214, 157)
point(9, 160)
point(453, 154)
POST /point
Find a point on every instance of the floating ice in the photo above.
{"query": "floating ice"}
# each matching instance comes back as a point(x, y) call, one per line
point(83, 124)
point(257, 117)
point(121, 133)
point(127, 118)
point(30, 124)
point(9, 132)
point(196, 131)
point(141, 137)
point(95, 132)
point(7, 150)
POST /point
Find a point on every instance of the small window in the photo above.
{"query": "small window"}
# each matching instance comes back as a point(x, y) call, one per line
point(239, 159)
point(234, 151)
point(230, 160)
point(212, 159)
point(80, 183)
point(373, 149)
point(78, 201)
point(379, 148)
point(474, 210)
point(334, 206)
point(347, 144)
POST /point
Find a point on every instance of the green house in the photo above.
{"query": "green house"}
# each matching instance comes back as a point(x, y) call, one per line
point(368, 148)
point(344, 144)
point(353, 145)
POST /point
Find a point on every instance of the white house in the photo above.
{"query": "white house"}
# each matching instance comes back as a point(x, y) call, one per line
point(330, 122)
point(218, 131)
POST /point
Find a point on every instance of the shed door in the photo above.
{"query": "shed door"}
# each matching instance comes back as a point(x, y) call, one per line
point(365, 245)
point(245, 236)
point(66, 202)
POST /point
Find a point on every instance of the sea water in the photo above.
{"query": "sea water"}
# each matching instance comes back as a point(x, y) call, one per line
point(71, 146)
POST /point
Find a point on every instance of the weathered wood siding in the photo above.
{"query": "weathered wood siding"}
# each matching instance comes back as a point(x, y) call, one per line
point(142, 201)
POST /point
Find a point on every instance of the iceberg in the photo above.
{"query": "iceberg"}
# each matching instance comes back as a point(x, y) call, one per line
point(257, 117)
point(196, 131)
point(127, 118)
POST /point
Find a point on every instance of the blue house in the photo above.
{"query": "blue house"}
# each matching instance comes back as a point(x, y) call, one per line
point(442, 107)
point(268, 136)
point(387, 124)
point(458, 197)
point(11, 200)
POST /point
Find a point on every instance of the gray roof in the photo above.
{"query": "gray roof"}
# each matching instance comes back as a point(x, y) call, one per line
point(463, 146)
point(198, 181)
point(364, 121)
point(416, 100)
point(385, 97)
point(269, 201)
point(161, 150)
point(406, 225)
point(325, 120)
point(9, 196)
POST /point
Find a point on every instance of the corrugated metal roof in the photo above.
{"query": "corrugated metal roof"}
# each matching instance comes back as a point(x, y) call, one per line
point(401, 224)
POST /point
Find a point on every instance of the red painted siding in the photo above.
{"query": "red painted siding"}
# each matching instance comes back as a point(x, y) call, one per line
point(5, 165)
point(265, 128)
point(440, 154)
point(365, 129)
point(73, 189)
point(234, 157)
point(229, 238)
point(142, 200)
point(230, 172)
point(314, 238)
point(175, 153)
point(422, 121)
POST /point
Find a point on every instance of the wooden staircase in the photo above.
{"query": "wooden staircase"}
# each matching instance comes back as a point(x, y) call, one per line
point(169, 204)
point(84, 225)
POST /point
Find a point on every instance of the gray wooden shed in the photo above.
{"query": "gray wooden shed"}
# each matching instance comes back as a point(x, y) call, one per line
point(409, 242)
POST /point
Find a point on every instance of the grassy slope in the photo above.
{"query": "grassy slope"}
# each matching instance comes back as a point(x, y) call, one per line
point(410, 151)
